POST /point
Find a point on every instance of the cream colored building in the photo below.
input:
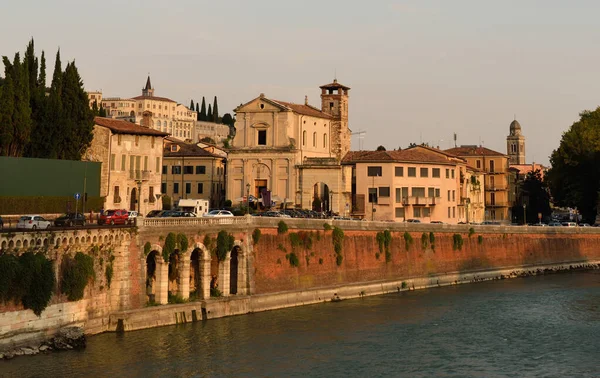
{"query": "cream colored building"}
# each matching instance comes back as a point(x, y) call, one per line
point(191, 172)
point(131, 157)
point(94, 96)
point(496, 184)
point(417, 183)
point(293, 150)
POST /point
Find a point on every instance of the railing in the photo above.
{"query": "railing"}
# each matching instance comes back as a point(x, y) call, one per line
point(495, 187)
point(497, 204)
point(200, 221)
point(494, 171)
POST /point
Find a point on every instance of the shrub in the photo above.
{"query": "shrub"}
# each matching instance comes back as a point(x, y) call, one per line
point(337, 237)
point(432, 240)
point(225, 243)
point(339, 259)
point(326, 226)
point(480, 239)
point(169, 247)
point(282, 248)
point(282, 228)
point(320, 261)
point(176, 298)
point(166, 202)
point(36, 281)
point(147, 248)
point(457, 242)
point(294, 260)
point(109, 274)
point(228, 203)
point(214, 292)
point(471, 232)
point(76, 273)
point(424, 240)
point(295, 240)
point(208, 243)
point(182, 243)
point(404, 285)
point(256, 236)
point(408, 240)
point(10, 270)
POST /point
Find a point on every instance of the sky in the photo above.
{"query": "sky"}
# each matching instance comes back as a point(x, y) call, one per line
point(420, 71)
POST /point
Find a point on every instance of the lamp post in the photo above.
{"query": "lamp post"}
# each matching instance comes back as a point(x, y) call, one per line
point(248, 197)
point(524, 215)
point(404, 203)
point(330, 202)
point(373, 197)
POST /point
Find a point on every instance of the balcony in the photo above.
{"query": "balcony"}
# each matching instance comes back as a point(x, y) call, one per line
point(494, 171)
point(497, 204)
point(495, 188)
point(139, 175)
point(420, 201)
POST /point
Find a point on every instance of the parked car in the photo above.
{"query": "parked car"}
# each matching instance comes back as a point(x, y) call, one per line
point(554, 224)
point(219, 213)
point(112, 217)
point(153, 213)
point(33, 222)
point(436, 222)
point(131, 215)
point(569, 224)
point(584, 225)
point(413, 221)
point(539, 225)
point(1, 223)
point(70, 219)
point(181, 214)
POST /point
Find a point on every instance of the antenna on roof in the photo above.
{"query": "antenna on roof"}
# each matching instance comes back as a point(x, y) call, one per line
point(360, 138)
point(335, 74)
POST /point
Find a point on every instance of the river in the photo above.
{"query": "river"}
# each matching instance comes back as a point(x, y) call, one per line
point(546, 326)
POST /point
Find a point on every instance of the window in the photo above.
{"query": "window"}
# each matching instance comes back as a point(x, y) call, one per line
point(424, 172)
point(262, 137)
point(176, 187)
point(412, 172)
point(123, 162)
point(404, 192)
point(163, 187)
point(399, 212)
point(430, 192)
point(145, 163)
point(119, 139)
point(384, 191)
point(418, 192)
point(454, 195)
point(314, 139)
point(112, 162)
point(200, 169)
point(176, 170)
point(491, 166)
point(399, 171)
point(398, 195)
point(435, 172)
point(437, 193)
point(164, 170)
point(374, 171)
point(158, 123)
point(417, 212)
point(188, 188)
point(372, 195)
point(137, 140)
point(478, 164)
point(157, 168)
point(448, 195)
point(200, 188)
point(454, 212)
point(152, 140)
point(453, 173)
point(449, 214)
point(324, 140)
point(447, 173)
point(188, 170)
point(304, 137)
point(116, 197)
point(151, 197)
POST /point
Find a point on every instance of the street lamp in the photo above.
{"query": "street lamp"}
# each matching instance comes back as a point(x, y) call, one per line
point(248, 197)
point(524, 215)
point(330, 202)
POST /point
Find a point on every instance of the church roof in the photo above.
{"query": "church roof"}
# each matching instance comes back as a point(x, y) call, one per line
point(304, 109)
point(409, 155)
point(514, 125)
point(185, 149)
point(148, 85)
point(334, 85)
point(473, 151)
point(124, 127)
point(154, 98)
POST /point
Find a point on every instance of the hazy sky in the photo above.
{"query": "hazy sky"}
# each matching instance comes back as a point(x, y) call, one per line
point(419, 70)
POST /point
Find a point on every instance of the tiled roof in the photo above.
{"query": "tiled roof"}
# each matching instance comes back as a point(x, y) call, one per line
point(125, 127)
point(334, 85)
point(185, 149)
point(473, 151)
point(304, 109)
point(394, 156)
point(153, 98)
point(526, 168)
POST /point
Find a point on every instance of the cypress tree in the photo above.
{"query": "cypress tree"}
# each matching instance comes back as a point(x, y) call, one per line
point(209, 116)
point(41, 137)
point(95, 107)
point(215, 110)
point(202, 116)
point(54, 116)
point(192, 105)
point(21, 119)
point(7, 102)
point(197, 111)
point(101, 111)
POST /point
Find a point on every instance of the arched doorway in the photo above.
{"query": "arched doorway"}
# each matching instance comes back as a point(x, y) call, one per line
point(321, 200)
point(133, 199)
point(174, 273)
point(151, 276)
point(233, 270)
point(195, 275)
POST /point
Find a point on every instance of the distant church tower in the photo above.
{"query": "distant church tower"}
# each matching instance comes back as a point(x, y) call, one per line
point(334, 101)
point(515, 144)
point(148, 91)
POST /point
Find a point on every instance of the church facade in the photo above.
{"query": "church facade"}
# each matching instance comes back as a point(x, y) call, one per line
point(292, 150)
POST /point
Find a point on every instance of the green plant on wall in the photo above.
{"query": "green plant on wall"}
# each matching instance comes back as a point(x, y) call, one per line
point(169, 247)
point(384, 241)
point(108, 273)
point(225, 243)
point(294, 261)
point(480, 239)
point(337, 237)
point(147, 248)
point(408, 240)
point(76, 273)
point(424, 240)
point(282, 227)
point(432, 240)
point(209, 243)
point(35, 282)
point(326, 226)
point(471, 232)
point(256, 236)
point(457, 242)
point(295, 240)
point(182, 243)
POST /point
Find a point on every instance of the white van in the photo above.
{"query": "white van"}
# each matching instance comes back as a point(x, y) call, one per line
point(197, 206)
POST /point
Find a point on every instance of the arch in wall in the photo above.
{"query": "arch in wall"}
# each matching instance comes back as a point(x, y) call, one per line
point(234, 269)
point(71, 240)
point(321, 198)
point(94, 239)
point(18, 244)
point(3, 244)
point(77, 240)
point(175, 259)
point(151, 282)
point(25, 243)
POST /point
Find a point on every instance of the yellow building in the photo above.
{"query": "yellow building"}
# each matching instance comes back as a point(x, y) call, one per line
point(131, 157)
point(496, 184)
point(191, 172)
point(94, 96)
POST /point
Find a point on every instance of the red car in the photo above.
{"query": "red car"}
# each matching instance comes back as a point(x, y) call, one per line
point(119, 216)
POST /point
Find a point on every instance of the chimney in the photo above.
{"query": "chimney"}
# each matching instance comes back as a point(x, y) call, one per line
point(305, 100)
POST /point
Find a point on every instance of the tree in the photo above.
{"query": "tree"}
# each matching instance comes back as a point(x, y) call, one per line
point(95, 108)
point(534, 194)
point(101, 111)
point(197, 109)
point(227, 120)
point(411, 145)
point(202, 116)
point(209, 115)
point(192, 105)
point(17, 116)
point(7, 104)
point(208, 140)
point(215, 111)
point(574, 178)
point(380, 148)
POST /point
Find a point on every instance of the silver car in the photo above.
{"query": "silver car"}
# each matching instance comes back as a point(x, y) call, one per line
point(219, 213)
point(33, 222)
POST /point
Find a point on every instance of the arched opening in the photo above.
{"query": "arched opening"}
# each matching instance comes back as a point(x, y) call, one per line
point(233, 270)
point(195, 275)
point(321, 200)
point(174, 259)
point(18, 244)
point(133, 199)
point(11, 244)
point(4, 244)
point(95, 239)
point(151, 276)
point(64, 241)
point(25, 243)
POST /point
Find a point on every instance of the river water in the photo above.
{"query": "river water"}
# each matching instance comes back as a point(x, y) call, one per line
point(547, 326)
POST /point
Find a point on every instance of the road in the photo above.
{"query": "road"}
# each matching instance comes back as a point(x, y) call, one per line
point(53, 228)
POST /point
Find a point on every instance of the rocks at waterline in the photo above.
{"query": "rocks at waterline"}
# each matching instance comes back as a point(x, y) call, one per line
point(69, 338)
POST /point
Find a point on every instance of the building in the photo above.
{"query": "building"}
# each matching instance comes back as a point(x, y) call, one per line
point(292, 150)
point(496, 183)
point(515, 144)
point(94, 96)
point(417, 183)
point(215, 131)
point(131, 157)
point(191, 172)
point(159, 113)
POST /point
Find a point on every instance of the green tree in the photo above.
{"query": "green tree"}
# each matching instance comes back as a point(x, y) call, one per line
point(209, 116)
point(227, 120)
point(192, 105)
point(197, 109)
point(20, 119)
point(101, 111)
point(534, 193)
point(215, 111)
point(380, 148)
point(574, 178)
point(7, 104)
point(202, 116)
point(95, 110)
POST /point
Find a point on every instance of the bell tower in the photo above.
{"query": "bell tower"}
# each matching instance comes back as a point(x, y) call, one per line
point(148, 91)
point(334, 101)
point(515, 144)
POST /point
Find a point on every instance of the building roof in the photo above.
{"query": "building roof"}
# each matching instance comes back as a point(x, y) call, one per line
point(148, 85)
point(524, 169)
point(304, 109)
point(154, 98)
point(334, 85)
point(410, 155)
point(515, 125)
point(185, 149)
point(124, 127)
point(473, 151)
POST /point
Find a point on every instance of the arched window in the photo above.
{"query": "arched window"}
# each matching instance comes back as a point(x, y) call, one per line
point(304, 138)
point(158, 123)
point(314, 139)
point(324, 140)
